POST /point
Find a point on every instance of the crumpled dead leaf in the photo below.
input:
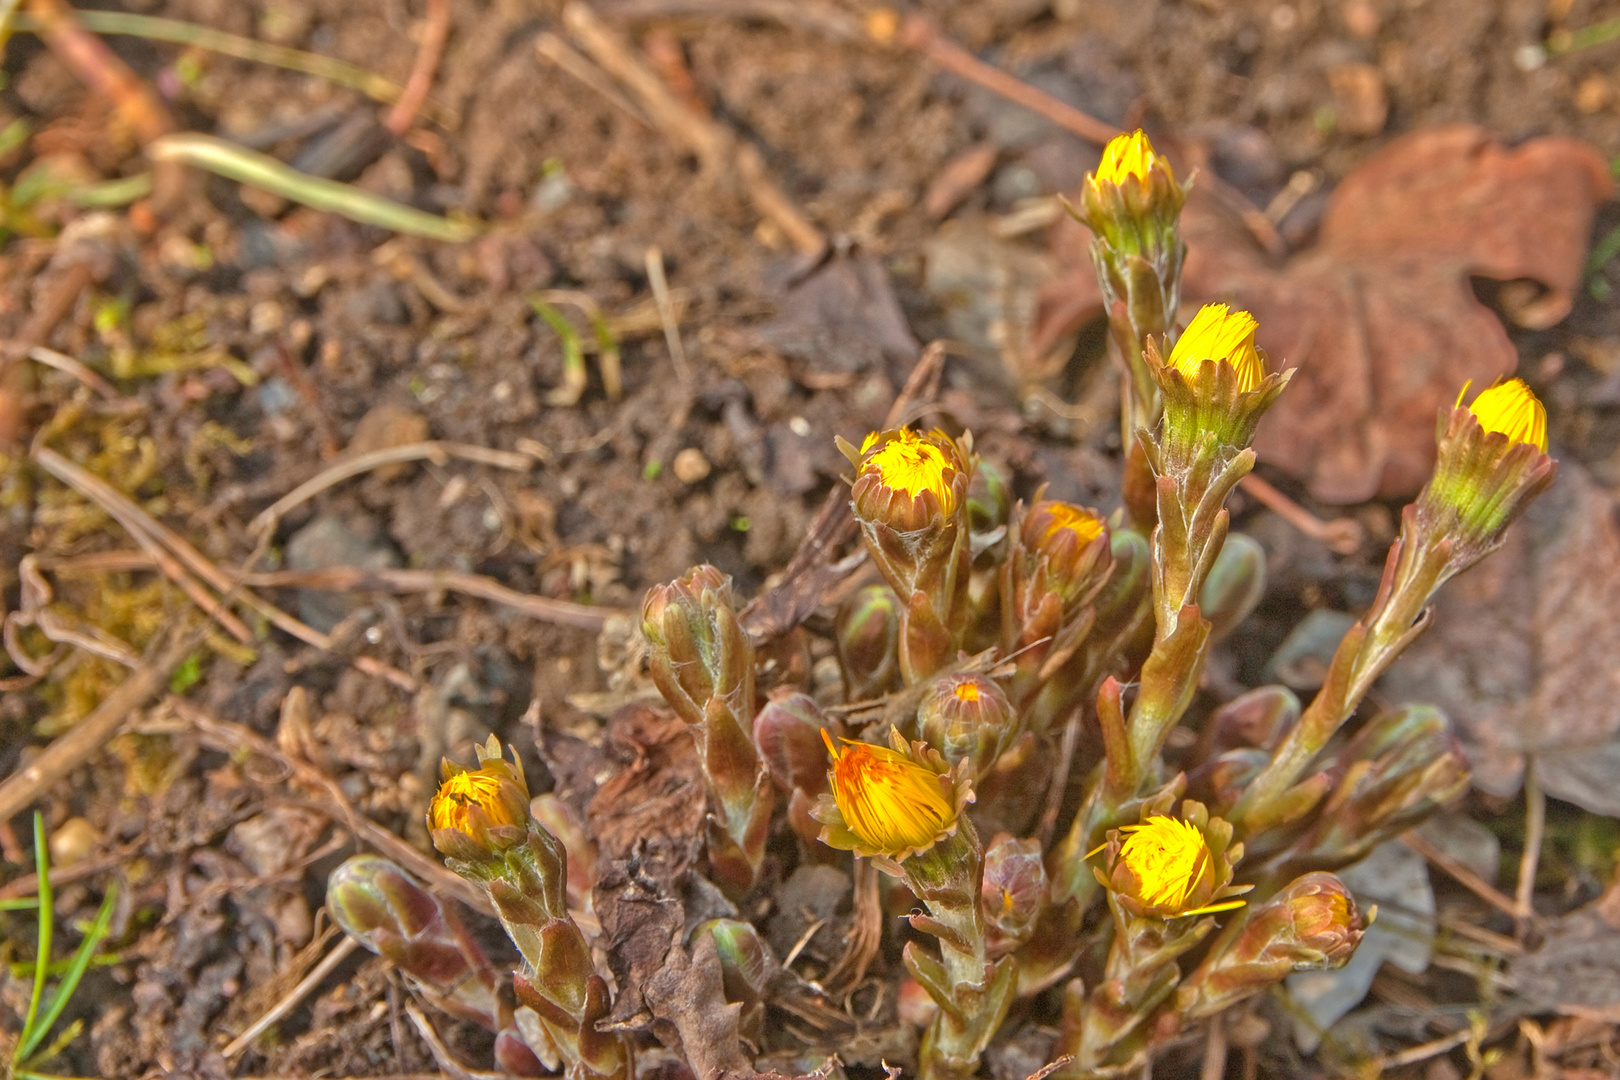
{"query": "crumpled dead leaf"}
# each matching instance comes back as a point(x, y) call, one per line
point(1521, 651)
point(1379, 315)
point(1577, 966)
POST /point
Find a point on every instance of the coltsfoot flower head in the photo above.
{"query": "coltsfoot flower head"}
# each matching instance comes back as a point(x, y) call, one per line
point(967, 718)
point(1172, 867)
point(696, 649)
point(1218, 333)
point(892, 802)
point(1215, 387)
point(1492, 461)
point(1066, 546)
point(867, 634)
point(478, 813)
point(1133, 200)
point(1511, 409)
point(910, 480)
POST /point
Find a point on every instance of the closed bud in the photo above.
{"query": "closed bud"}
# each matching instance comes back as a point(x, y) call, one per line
point(696, 648)
point(1013, 893)
point(787, 732)
point(1398, 771)
point(1492, 461)
point(989, 503)
point(1215, 389)
point(1312, 923)
point(1132, 201)
point(967, 718)
point(1065, 548)
point(1234, 586)
point(868, 640)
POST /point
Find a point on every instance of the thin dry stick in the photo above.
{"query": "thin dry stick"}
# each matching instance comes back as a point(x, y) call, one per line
point(328, 798)
point(715, 145)
point(145, 532)
point(1535, 824)
point(1214, 1066)
point(1475, 884)
point(919, 34)
point(355, 579)
point(435, 28)
point(437, 452)
point(1425, 1051)
point(566, 57)
point(666, 313)
point(93, 732)
point(441, 1054)
point(66, 364)
point(1343, 536)
point(287, 1004)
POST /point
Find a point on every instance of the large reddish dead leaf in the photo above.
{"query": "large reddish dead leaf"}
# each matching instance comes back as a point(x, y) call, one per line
point(1379, 316)
point(1521, 651)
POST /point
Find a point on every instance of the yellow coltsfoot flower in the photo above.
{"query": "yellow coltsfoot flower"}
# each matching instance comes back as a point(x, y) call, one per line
point(1492, 461)
point(1129, 156)
point(909, 480)
point(1172, 868)
point(1218, 334)
point(478, 813)
point(1512, 409)
point(890, 803)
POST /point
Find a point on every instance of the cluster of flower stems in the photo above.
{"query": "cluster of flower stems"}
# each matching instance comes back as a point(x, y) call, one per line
point(1028, 663)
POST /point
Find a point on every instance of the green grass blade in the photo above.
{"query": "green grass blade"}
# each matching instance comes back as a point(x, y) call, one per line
point(70, 981)
point(42, 965)
point(27, 903)
point(262, 171)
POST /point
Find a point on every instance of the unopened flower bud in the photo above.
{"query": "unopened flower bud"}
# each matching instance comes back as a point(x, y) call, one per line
point(696, 648)
point(989, 503)
point(1066, 548)
point(746, 967)
point(1132, 201)
point(1492, 462)
point(788, 733)
point(1013, 893)
point(1215, 387)
point(967, 718)
point(1311, 923)
point(868, 640)
point(479, 813)
point(1398, 771)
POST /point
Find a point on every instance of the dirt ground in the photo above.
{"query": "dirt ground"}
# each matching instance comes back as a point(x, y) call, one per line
point(250, 342)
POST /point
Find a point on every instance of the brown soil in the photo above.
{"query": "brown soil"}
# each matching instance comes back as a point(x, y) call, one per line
point(326, 321)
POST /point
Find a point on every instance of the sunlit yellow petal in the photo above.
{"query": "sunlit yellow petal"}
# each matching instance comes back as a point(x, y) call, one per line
point(1167, 855)
point(913, 463)
point(891, 803)
point(1128, 155)
point(1218, 333)
point(462, 793)
point(1512, 409)
point(1085, 525)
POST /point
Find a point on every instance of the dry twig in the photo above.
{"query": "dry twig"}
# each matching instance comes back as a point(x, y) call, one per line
point(288, 1003)
point(435, 28)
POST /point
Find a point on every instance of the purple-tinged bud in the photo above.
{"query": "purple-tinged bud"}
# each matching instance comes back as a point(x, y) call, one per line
point(1312, 923)
point(787, 732)
point(967, 718)
point(1257, 719)
point(1013, 893)
point(868, 639)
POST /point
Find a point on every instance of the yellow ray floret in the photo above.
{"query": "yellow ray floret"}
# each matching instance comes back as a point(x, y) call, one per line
point(1129, 155)
point(460, 794)
point(1085, 525)
point(914, 464)
point(1512, 409)
point(1168, 858)
point(891, 803)
point(1218, 333)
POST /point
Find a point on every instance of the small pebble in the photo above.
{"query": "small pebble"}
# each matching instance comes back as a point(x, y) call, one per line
point(691, 466)
point(73, 841)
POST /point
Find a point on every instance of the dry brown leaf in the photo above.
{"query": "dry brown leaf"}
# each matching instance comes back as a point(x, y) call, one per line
point(1380, 316)
point(1521, 651)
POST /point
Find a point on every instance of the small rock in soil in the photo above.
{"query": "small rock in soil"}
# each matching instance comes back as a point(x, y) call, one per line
point(331, 540)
